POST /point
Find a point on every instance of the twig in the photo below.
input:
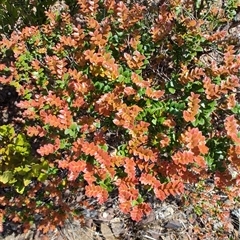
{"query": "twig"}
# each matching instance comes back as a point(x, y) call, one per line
point(146, 236)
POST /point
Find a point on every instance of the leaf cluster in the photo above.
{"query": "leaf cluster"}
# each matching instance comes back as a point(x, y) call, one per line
point(121, 102)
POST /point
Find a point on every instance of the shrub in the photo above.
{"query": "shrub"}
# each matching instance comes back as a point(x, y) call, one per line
point(16, 14)
point(17, 165)
point(123, 101)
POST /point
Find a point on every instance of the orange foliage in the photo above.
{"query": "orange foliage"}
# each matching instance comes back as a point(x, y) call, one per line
point(163, 25)
point(189, 76)
point(134, 61)
point(49, 148)
point(148, 179)
point(79, 83)
point(231, 101)
point(83, 86)
point(63, 120)
point(193, 107)
point(56, 65)
point(97, 192)
point(127, 17)
point(139, 82)
point(232, 128)
point(154, 94)
point(195, 141)
point(216, 36)
point(211, 89)
point(144, 153)
point(139, 211)
point(35, 131)
point(88, 8)
point(167, 189)
point(130, 167)
point(126, 116)
point(169, 122)
point(164, 140)
point(187, 157)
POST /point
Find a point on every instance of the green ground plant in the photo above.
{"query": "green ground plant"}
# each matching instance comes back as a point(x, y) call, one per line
point(18, 168)
point(116, 102)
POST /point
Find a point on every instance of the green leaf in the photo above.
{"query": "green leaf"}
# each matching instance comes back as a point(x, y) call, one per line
point(26, 182)
point(134, 203)
point(104, 147)
point(154, 121)
point(199, 49)
point(21, 145)
point(106, 184)
point(73, 130)
point(36, 169)
point(35, 74)
point(20, 188)
point(42, 177)
point(171, 90)
point(6, 177)
point(138, 201)
point(198, 210)
point(7, 131)
point(63, 143)
point(22, 170)
point(199, 121)
point(69, 132)
point(127, 73)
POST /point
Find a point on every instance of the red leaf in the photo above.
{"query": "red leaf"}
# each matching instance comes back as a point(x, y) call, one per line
point(148, 179)
point(35, 131)
point(130, 167)
point(97, 192)
point(46, 149)
point(139, 82)
point(75, 168)
point(232, 128)
point(160, 194)
point(154, 94)
point(89, 177)
point(195, 141)
point(146, 208)
point(184, 158)
point(125, 207)
point(136, 213)
point(193, 107)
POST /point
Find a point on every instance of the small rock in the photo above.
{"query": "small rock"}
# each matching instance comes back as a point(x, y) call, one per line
point(174, 225)
point(106, 232)
point(117, 227)
point(105, 215)
point(150, 218)
point(89, 213)
point(165, 213)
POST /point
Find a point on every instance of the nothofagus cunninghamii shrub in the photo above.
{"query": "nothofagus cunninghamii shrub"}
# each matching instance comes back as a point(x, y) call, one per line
point(121, 101)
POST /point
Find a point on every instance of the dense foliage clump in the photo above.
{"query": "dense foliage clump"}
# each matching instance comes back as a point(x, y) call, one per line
point(119, 98)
